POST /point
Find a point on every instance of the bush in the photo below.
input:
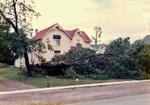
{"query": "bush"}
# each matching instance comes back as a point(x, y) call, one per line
point(70, 73)
point(81, 60)
point(99, 75)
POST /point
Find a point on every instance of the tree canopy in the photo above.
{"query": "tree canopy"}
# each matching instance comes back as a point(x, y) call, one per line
point(17, 15)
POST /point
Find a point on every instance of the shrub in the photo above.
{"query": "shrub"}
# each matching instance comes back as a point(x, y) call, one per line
point(80, 58)
point(70, 73)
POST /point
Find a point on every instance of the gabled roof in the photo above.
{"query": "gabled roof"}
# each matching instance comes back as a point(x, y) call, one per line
point(85, 37)
point(72, 32)
point(69, 33)
point(39, 35)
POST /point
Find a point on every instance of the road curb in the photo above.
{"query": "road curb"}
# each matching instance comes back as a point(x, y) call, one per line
point(70, 87)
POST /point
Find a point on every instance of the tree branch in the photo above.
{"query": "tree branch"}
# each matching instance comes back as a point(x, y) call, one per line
point(9, 21)
point(16, 15)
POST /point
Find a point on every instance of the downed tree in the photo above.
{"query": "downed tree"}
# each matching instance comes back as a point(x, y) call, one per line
point(54, 69)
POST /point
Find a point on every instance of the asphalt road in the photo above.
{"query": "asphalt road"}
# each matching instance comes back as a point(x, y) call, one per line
point(84, 94)
point(143, 99)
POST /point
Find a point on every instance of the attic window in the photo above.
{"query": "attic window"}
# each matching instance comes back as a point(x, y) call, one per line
point(57, 39)
point(57, 28)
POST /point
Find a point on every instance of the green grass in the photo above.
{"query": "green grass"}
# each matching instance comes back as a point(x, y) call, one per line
point(42, 81)
point(11, 73)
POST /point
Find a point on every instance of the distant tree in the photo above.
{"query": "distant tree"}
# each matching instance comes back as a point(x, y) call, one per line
point(98, 32)
point(144, 58)
point(118, 47)
point(131, 61)
point(140, 51)
point(18, 14)
point(121, 65)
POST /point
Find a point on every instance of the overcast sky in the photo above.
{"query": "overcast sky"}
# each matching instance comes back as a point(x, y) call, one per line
point(117, 18)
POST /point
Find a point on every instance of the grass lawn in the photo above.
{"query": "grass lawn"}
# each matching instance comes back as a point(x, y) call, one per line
point(42, 81)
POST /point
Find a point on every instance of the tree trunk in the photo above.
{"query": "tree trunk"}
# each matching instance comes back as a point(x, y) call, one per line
point(28, 66)
point(16, 29)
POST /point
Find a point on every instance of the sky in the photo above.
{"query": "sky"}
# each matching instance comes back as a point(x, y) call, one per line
point(117, 18)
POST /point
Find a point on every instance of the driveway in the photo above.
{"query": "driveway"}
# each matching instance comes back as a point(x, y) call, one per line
point(10, 85)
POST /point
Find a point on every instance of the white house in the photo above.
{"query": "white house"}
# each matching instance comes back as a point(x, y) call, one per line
point(60, 39)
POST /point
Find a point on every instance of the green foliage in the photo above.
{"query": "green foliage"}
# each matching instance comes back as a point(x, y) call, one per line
point(131, 62)
point(41, 81)
point(100, 75)
point(13, 47)
point(17, 15)
point(119, 66)
point(144, 62)
point(6, 55)
point(15, 44)
point(2, 44)
point(80, 59)
point(126, 64)
point(118, 47)
point(70, 73)
point(127, 61)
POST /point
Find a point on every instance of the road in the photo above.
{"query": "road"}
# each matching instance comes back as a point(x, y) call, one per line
point(143, 99)
point(75, 95)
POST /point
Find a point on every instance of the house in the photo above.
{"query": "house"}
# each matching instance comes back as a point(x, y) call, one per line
point(60, 39)
point(100, 48)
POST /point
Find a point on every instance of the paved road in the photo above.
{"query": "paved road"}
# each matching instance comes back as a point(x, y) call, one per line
point(143, 99)
point(75, 95)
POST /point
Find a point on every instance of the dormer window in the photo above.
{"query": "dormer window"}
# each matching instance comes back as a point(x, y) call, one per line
point(57, 39)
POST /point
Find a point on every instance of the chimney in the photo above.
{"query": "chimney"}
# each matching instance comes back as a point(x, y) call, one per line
point(36, 31)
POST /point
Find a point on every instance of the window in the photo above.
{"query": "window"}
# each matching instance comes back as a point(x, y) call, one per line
point(57, 39)
point(56, 51)
point(78, 45)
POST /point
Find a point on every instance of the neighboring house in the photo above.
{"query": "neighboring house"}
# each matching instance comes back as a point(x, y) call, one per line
point(61, 41)
point(100, 48)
